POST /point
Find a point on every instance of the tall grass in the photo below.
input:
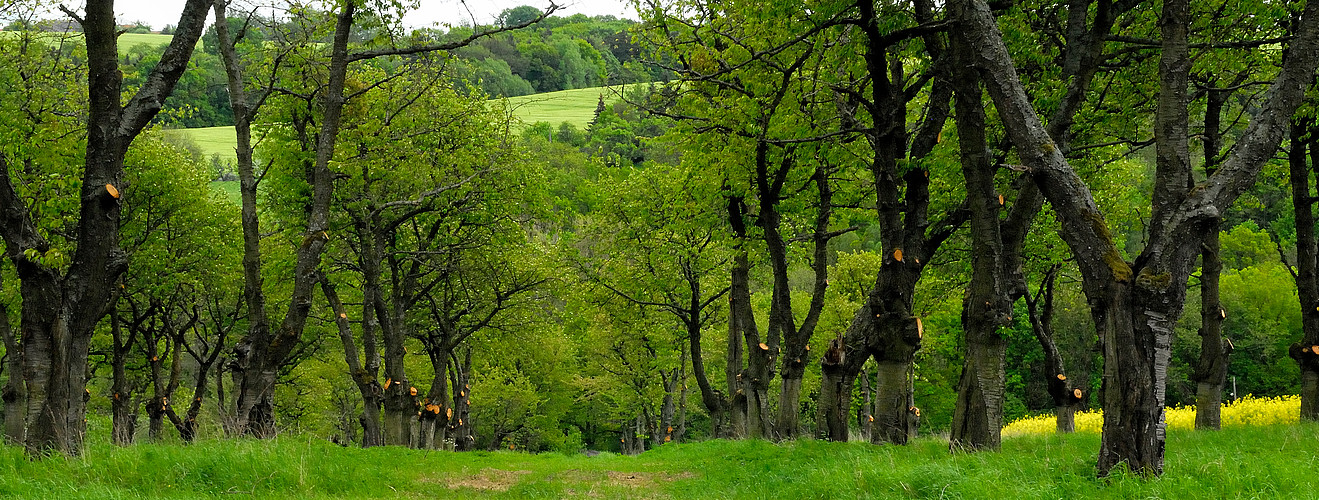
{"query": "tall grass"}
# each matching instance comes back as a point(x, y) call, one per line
point(1250, 462)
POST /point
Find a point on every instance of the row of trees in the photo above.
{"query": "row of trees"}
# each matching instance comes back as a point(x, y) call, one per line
point(404, 265)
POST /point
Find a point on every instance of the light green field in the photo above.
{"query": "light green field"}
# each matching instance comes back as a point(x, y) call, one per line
point(126, 40)
point(211, 140)
point(575, 106)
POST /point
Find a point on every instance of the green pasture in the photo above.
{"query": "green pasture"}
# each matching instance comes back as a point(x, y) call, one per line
point(575, 106)
point(1255, 462)
point(126, 40)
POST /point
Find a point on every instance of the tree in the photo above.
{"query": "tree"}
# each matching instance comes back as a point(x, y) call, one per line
point(1135, 304)
point(656, 245)
point(62, 307)
point(264, 349)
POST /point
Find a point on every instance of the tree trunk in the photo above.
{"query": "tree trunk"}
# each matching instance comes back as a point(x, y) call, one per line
point(1065, 398)
point(363, 378)
point(1307, 269)
point(755, 380)
point(463, 437)
point(1211, 372)
point(15, 391)
point(978, 415)
point(832, 416)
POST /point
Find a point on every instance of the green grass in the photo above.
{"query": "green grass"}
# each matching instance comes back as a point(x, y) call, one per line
point(230, 190)
point(575, 106)
point(126, 40)
point(1259, 462)
point(211, 140)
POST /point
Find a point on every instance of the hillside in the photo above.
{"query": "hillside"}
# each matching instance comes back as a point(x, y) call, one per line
point(575, 106)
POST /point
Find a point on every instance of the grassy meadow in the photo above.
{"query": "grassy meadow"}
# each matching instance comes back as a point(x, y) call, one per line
point(126, 40)
point(1249, 462)
point(576, 106)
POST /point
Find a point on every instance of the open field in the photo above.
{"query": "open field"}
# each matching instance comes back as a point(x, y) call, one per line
point(1255, 462)
point(573, 106)
point(126, 40)
point(211, 140)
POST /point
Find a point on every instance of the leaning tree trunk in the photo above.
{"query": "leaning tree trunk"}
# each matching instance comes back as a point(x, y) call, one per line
point(1065, 398)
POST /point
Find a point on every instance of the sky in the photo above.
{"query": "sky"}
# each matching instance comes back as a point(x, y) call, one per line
point(159, 13)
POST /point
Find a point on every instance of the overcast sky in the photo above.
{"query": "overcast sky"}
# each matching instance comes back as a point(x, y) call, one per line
point(159, 13)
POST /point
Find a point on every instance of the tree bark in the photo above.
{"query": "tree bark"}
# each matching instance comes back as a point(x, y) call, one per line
point(978, 414)
point(14, 393)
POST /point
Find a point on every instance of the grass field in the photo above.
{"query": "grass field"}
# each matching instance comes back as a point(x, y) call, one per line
point(573, 106)
point(126, 40)
point(1256, 462)
point(211, 140)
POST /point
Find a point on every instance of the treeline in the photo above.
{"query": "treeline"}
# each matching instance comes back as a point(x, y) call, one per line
point(560, 53)
point(843, 219)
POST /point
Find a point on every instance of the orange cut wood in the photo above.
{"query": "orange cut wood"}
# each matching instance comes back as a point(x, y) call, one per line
point(897, 255)
point(114, 192)
point(413, 391)
point(1000, 199)
point(1077, 393)
point(1062, 377)
point(920, 329)
point(343, 315)
point(1315, 348)
point(1223, 312)
point(764, 347)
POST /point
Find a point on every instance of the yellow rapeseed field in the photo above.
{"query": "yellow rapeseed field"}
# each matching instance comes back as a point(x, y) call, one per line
point(1243, 412)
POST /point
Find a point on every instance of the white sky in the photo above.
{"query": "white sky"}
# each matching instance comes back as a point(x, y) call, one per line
point(159, 13)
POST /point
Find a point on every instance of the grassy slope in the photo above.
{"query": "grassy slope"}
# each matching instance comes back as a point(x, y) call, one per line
point(573, 106)
point(1259, 462)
